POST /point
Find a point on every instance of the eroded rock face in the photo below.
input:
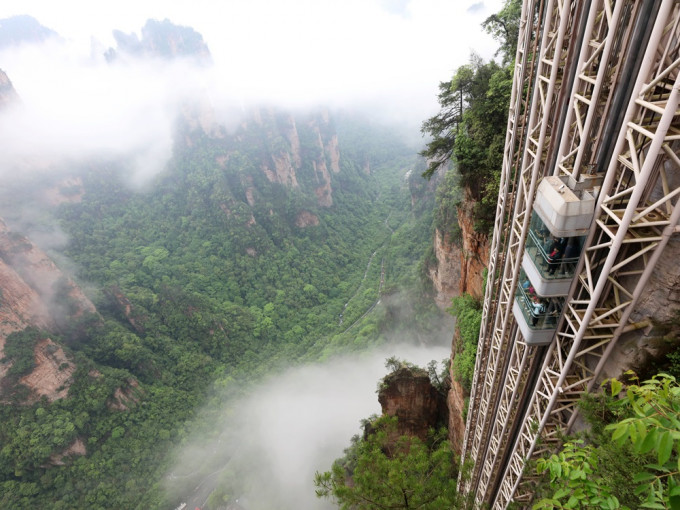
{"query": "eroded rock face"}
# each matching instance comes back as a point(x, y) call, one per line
point(474, 256)
point(455, 400)
point(77, 447)
point(51, 376)
point(36, 293)
point(58, 293)
point(458, 271)
point(445, 274)
point(409, 395)
point(306, 219)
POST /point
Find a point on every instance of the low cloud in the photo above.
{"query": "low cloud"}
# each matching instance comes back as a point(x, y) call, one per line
point(358, 55)
point(290, 426)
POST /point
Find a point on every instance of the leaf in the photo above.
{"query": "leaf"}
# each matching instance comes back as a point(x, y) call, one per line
point(641, 488)
point(572, 502)
point(674, 502)
point(643, 477)
point(616, 387)
point(652, 504)
point(619, 431)
point(561, 493)
point(649, 441)
point(665, 448)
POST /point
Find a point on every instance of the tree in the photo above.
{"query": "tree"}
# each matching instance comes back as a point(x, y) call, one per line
point(504, 27)
point(381, 471)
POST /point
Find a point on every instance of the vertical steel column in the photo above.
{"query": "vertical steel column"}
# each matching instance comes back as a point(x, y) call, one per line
point(625, 232)
point(541, 121)
point(523, 71)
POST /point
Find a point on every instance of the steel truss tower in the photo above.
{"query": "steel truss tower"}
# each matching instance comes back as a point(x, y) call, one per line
point(593, 122)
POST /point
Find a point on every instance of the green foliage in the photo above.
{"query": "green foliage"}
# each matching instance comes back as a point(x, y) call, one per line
point(641, 445)
point(468, 313)
point(574, 479)
point(469, 129)
point(448, 198)
point(504, 27)
point(654, 427)
point(19, 350)
point(382, 471)
point(197, 302)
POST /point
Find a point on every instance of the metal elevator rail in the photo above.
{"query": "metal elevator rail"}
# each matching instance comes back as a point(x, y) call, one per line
point(579, 65)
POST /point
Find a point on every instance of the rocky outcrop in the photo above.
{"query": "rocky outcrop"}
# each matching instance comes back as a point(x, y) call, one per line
point(324, 191)
point(125, 397)
point(23, 29)
point(34, 292)
point(69, 190)
point(408, 394)
point(125, 307)
point(51, 376)
point(161, 39)
point(306, 219)
point(8, 96)
point(20, 305)
point(59, 295)
point(76, 448)
point(281, 170)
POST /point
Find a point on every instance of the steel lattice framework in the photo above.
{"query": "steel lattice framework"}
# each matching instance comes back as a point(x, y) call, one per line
point(595, 100)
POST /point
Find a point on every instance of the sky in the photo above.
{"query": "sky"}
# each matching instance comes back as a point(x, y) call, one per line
point(379, 54)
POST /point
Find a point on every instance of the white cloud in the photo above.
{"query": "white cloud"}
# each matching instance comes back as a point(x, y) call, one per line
point(291, 53)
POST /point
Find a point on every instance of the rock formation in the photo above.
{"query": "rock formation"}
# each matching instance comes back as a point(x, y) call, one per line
point(409, 395)
point(8, 96)
point(36, 293)
point(161, 39)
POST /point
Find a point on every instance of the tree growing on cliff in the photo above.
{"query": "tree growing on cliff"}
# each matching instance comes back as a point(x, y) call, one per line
point(383, 471)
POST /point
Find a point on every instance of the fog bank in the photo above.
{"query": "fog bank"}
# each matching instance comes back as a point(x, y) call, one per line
point(291, 426)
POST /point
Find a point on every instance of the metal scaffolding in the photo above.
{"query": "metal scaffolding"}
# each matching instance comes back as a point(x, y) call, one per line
point(594, 101)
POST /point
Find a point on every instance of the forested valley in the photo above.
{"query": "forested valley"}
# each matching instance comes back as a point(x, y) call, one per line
point(207, 280)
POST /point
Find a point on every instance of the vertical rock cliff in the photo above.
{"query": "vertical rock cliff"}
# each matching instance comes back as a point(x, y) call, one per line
point(460, 257)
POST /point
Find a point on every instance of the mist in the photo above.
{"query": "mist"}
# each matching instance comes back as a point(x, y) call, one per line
point(270, 443)
point(379, 57)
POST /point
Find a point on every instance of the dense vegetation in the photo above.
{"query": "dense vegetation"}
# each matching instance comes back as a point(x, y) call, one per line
point(381, 471)
point(629, 458)
point(468, 313)
point(203, 284)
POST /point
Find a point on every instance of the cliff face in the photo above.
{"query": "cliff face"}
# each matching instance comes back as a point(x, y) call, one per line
point(284, 157)
point(446, 272)
point(409, 395)
point(458, 270)
point(36, 293)
point(474, 256)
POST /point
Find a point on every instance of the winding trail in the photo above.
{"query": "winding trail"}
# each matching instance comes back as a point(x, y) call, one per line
point(382, 278)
